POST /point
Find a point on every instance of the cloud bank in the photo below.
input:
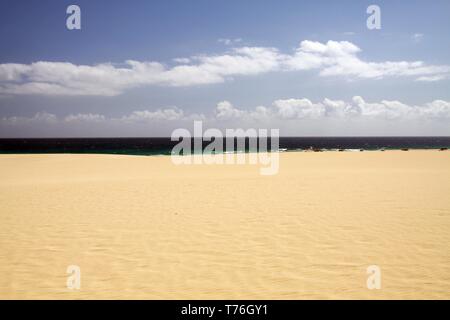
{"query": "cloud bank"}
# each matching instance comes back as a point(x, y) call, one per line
point(333, 58)
point(282, 110)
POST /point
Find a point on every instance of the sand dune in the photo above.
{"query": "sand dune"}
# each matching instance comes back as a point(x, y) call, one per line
point(141, 227)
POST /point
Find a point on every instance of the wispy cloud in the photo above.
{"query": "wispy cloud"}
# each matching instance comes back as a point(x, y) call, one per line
point(85, 117)
point(229, 42)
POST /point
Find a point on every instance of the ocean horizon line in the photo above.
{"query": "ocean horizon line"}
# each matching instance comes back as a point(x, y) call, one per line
point(165, 146)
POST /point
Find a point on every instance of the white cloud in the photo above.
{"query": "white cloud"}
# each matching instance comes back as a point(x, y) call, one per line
point(438, 109)
point(299, 109)
point(358, 108)
point(384, 109)
point(329, 59)
point(85, 117)
point(438, 77)
point(182, 60)
point(340, 109)
point(40, 117)
point(12, 71)
point(226, 111)
point(160, 114)
point(340, 59)
point(261, 113)
point(44, 117)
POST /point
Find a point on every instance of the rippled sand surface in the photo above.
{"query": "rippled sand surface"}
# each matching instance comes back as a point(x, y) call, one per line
point(141, 227)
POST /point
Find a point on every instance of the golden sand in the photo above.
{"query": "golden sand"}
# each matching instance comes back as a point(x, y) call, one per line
point(141, 227)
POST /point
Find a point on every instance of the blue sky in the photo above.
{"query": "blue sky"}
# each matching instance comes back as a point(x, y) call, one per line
point(51, 100)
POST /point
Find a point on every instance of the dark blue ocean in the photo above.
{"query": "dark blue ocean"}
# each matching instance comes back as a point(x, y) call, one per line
point(163, 146)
